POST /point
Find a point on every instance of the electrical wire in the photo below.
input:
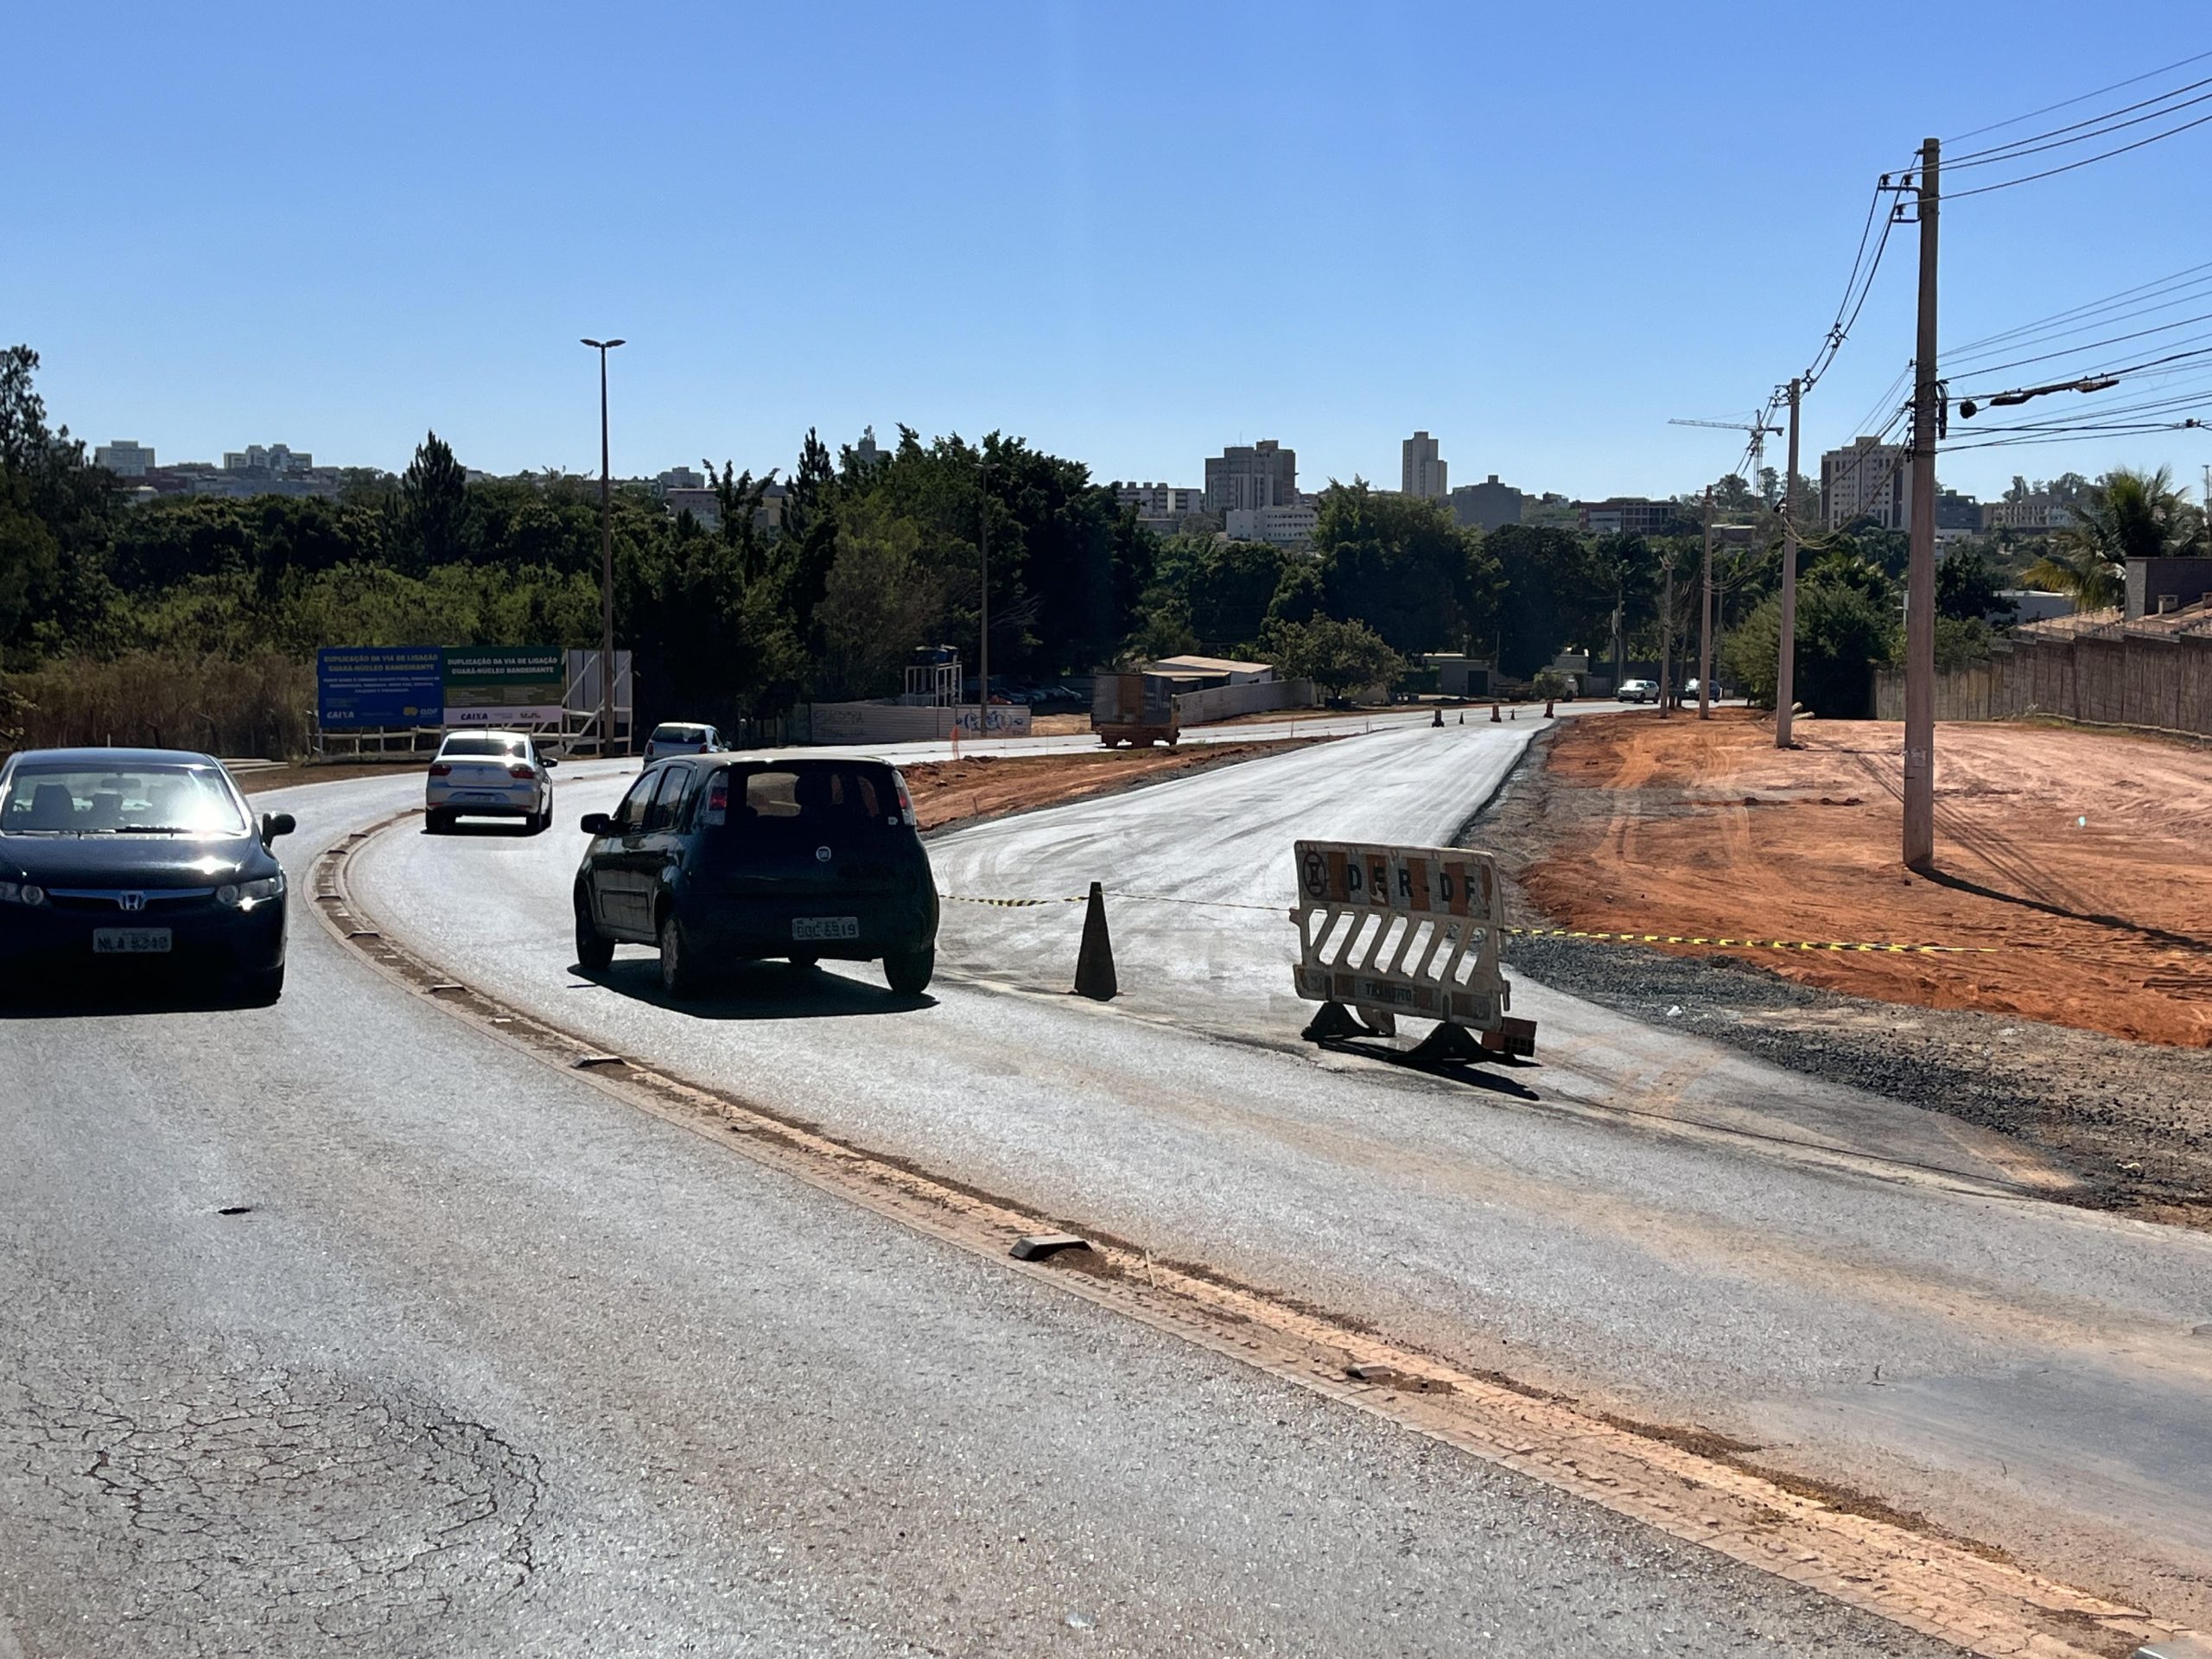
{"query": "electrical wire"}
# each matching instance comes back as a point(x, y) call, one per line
point(2042, 142)
point(2182, 289)
point(2110, 340)
point(2069, 102)
point(2086, 161)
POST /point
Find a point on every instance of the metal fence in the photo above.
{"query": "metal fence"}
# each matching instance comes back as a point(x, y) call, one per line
point(2159, 681)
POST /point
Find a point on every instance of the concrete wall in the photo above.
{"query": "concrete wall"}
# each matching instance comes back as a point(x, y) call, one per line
point(887, 722)
point(2159, 684)
point(1227, 701)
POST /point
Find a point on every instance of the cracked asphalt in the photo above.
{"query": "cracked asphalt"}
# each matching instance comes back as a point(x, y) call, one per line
point(485, 1361)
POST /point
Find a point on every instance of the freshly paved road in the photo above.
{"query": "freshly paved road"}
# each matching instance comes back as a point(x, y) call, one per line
point(1865, 1290)
point(488, 1362)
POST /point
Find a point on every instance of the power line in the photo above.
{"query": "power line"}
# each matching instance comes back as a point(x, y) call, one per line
point(2189, 294)
point(2110, 340)
point(2082, 309)
point(2086, 161)
point(2068, 104)
point(2104, 125)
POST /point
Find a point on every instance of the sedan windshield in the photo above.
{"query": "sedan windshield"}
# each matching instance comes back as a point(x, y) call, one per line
point(119, 801)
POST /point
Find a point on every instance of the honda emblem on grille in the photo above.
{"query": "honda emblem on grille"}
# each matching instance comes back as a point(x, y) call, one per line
point(822, 855)
point(131, 900)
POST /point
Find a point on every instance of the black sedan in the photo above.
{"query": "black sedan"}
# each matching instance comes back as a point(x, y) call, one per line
point(716, 859)
point(116, 861)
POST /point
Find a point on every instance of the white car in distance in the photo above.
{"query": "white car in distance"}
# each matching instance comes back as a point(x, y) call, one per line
point(681, 737)
point(1638, 691)
point(488, 775)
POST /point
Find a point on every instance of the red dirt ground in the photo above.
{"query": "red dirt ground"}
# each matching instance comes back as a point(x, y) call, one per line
point(2084, 858)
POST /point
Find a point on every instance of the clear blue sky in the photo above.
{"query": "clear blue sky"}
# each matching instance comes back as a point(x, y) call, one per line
point(1130, 232)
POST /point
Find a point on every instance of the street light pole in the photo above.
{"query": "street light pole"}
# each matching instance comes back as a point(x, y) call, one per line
point(1705, 621)
point(606, 563)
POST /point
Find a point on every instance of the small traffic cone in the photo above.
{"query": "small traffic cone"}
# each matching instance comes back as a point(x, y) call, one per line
point(1463, 716)
point(1493, 713)
point(1548, 708)
point(1094, 964)
point(1439, 720)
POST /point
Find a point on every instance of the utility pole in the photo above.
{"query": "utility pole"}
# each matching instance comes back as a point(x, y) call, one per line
point(983, 628)
point(1785, 676)
point(1920, 578)
point(606, 563)
point(1705, 621)
point(1666, 640)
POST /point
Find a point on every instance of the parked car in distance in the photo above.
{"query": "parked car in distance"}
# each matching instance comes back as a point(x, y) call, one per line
point(116, 860)
point(1638, 691)
point(715, 859)
point(681, 737)
point(488, 775)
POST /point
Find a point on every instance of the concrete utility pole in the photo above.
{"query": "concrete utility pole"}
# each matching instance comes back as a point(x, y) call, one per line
point(1785, 675)
point(1920, 578)
point(983, 626)
point(1705, 621)
point(606, 563)
point(1667, 642)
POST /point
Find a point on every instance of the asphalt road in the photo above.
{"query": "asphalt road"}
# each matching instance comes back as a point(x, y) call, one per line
point(1873, 1294)
point(334, 1327)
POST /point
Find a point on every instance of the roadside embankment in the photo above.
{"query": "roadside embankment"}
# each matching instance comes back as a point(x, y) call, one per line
point(2081, 1031)
point(991, 786)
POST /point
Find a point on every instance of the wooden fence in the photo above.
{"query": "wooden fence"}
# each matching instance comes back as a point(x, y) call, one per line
point(2159, 681)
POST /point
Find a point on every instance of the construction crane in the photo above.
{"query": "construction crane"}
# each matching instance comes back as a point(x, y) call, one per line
point(1756, 429)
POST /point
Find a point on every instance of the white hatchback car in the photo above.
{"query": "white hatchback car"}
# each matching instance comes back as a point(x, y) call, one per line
point(681, 737)
point(488, 775)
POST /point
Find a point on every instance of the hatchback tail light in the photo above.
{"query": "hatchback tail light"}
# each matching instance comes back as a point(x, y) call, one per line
point(718, 799)
point(439, 769)
point(523, 772)
point(906, 801)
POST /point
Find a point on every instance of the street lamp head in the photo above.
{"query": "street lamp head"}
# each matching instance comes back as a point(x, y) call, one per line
point(603, 345)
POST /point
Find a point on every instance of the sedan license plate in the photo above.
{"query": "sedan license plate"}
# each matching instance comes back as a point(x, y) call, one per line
point(131, 941)
point(825, 927)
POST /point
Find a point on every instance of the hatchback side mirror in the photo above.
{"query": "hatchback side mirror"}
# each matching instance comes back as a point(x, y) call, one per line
point(550, 759)
point(274, 824)
point(594, 823)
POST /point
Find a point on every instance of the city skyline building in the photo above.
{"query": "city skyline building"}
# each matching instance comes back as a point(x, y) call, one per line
point(1420, 469)
point(1867, 479)
point(1262, 474)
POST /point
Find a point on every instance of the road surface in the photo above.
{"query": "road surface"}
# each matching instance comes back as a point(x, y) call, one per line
point(1875, 1296)
point(331, 1327)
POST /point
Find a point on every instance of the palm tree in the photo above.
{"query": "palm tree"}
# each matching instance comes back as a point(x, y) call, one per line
point(2125, 515)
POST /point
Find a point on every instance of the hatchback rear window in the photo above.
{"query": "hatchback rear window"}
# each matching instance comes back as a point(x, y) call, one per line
point(810, 800)
point(677, 734)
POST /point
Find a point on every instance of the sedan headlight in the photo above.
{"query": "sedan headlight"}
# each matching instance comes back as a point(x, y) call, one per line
point(245, 895)
point(21, 893)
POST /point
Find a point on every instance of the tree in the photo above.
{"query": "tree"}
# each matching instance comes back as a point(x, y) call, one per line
point(1401, 565)
point(1966, 588)
point(2125, 515)
point(1229, 588)
point(1337, 657)
point(879, 600)
point(1556, 593)
point(1842, 632)
point(434, 492)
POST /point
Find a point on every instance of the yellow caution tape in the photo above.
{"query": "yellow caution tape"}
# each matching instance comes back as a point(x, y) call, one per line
point(1754, 944)
point(1533, 932)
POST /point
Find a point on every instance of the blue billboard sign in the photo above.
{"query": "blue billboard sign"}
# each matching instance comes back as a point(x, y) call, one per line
point(379, 686)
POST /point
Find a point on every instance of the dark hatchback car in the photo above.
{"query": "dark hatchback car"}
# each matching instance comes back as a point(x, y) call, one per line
point(116, 861)
point(716, 859)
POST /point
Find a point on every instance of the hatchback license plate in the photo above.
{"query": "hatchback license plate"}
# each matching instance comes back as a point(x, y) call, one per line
point(131, 941)
point(825, 927)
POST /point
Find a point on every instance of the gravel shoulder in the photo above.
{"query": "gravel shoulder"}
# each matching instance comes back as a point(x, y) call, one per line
point(2133, 1119)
